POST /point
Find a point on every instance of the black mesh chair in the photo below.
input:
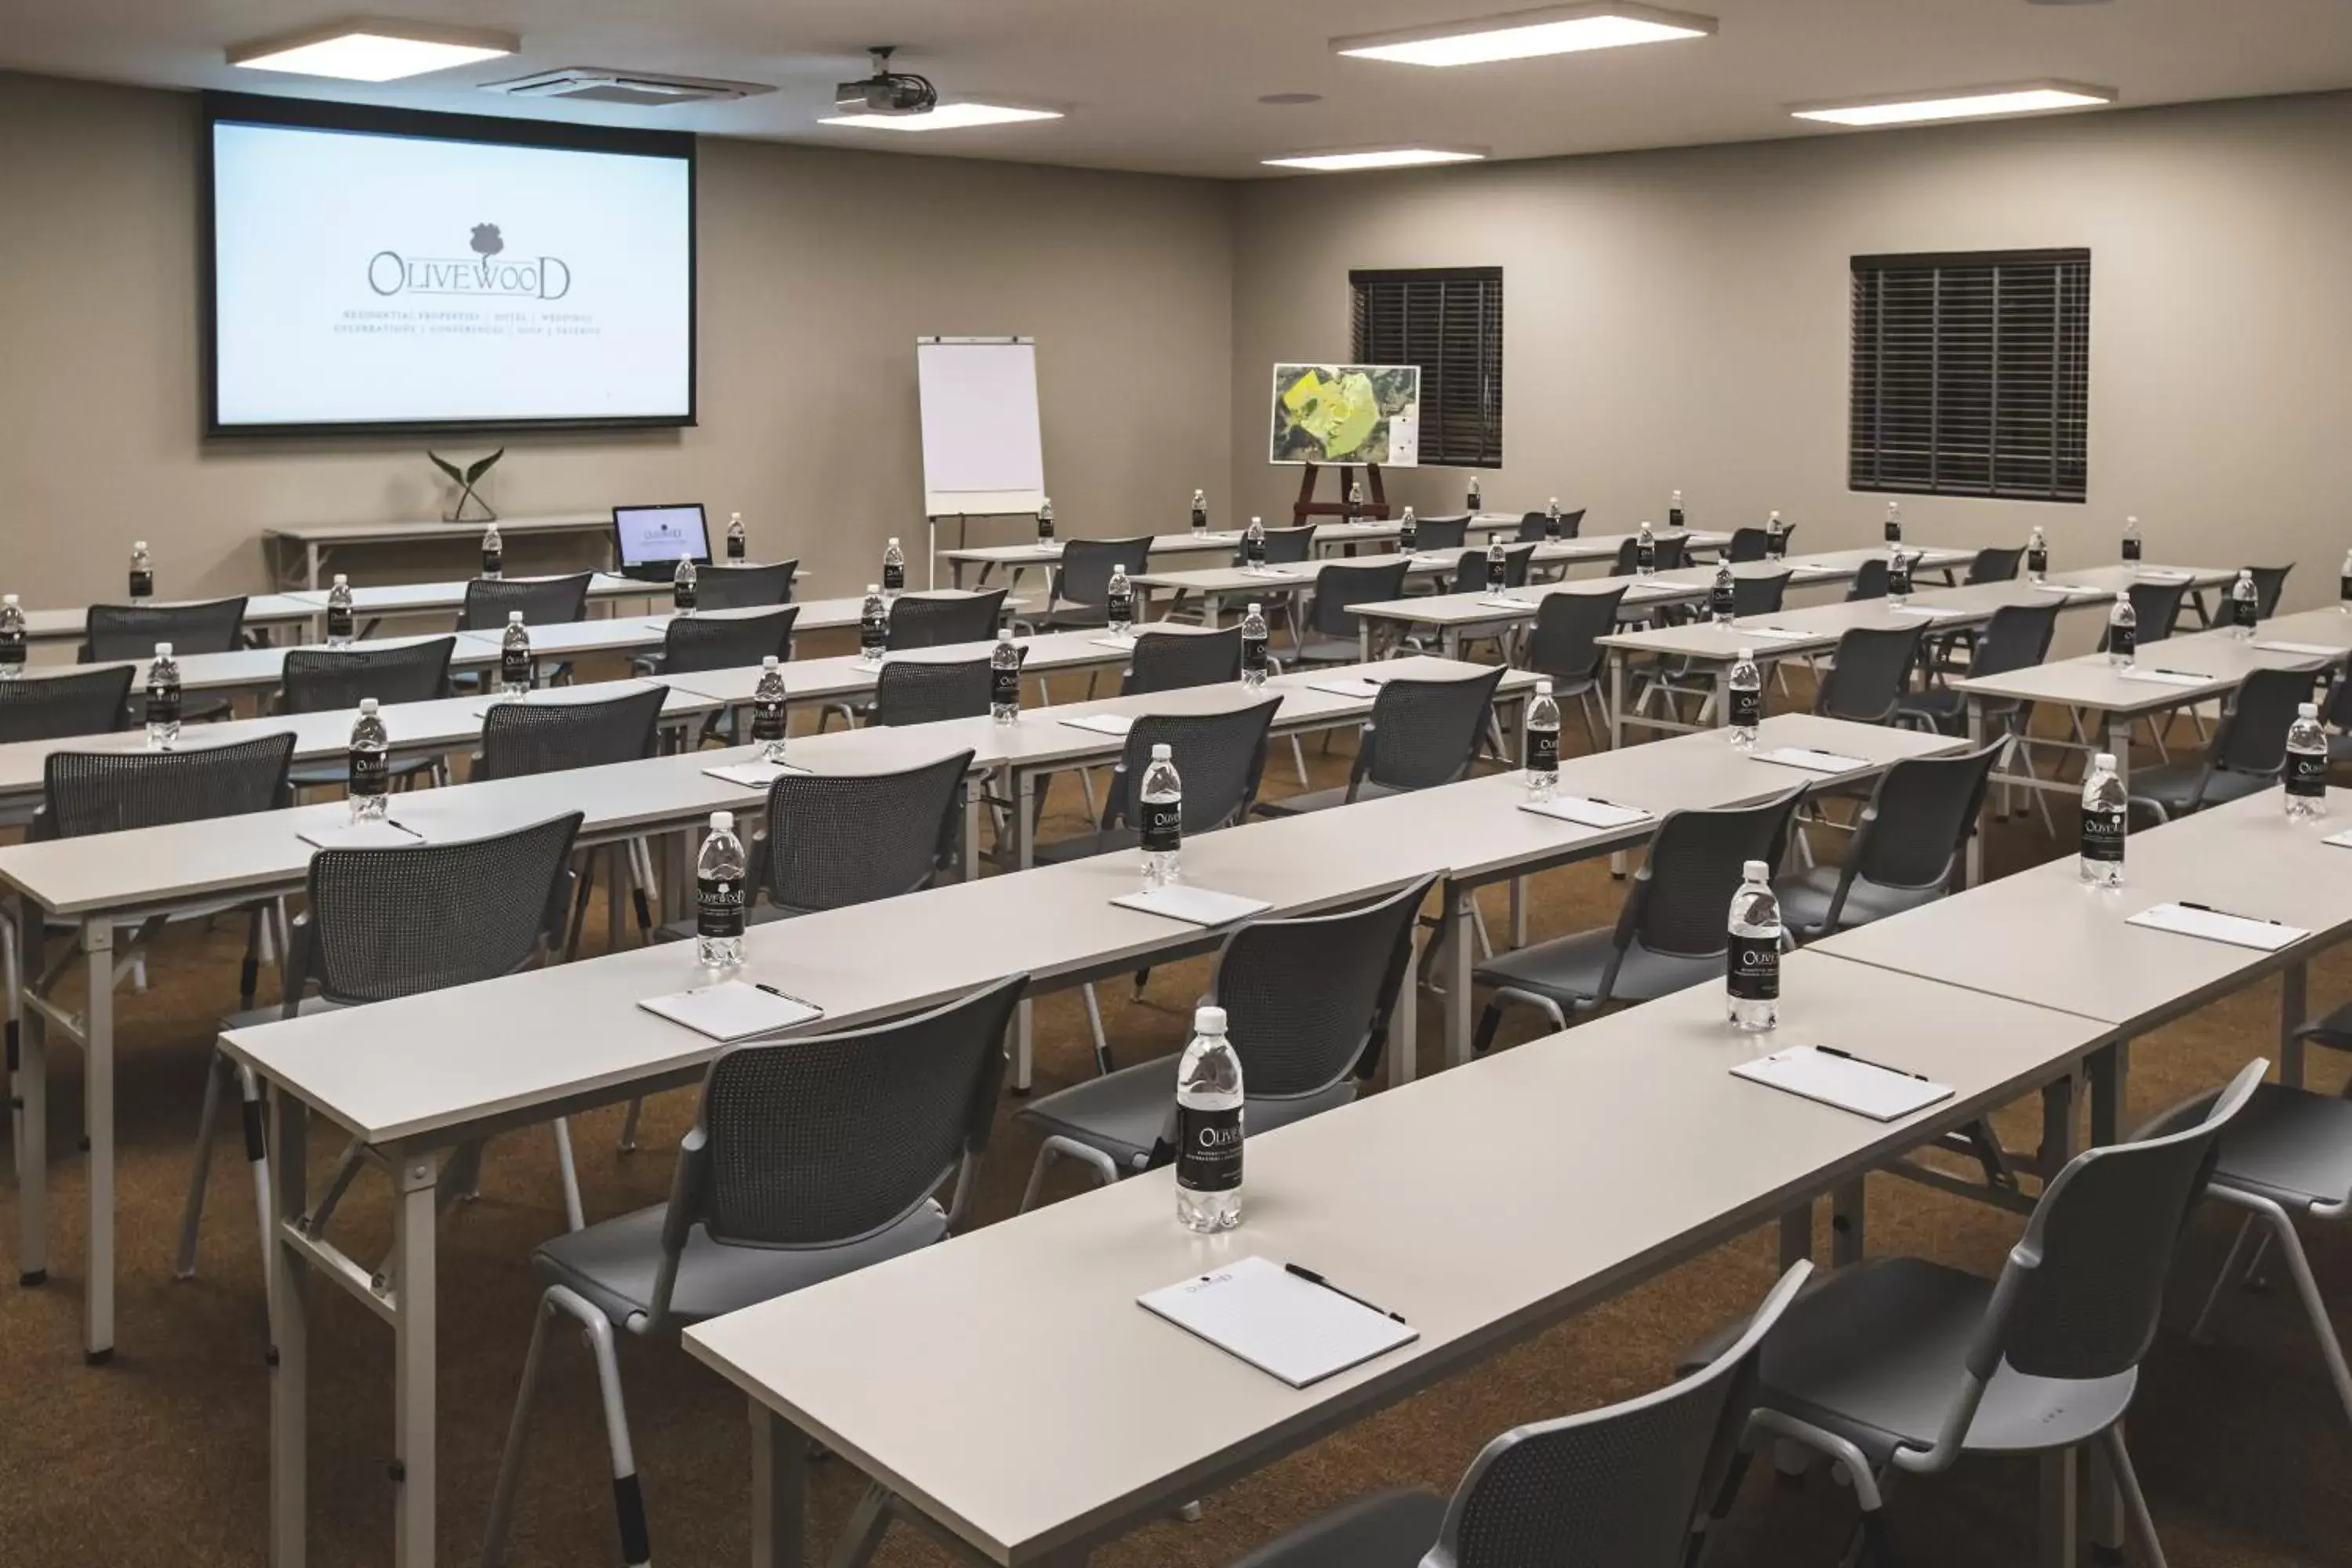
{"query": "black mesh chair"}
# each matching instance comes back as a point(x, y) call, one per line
point(2245, 756)
point(1535, 527)
point(1470, 571)
point(1307, 1003)
point(114, 632)
point(1564, 645)
point(57, 707)
point(543, 601)
point(939, 620)
point(328, 679)
point(1432, 534)
point(2017, 637)
point(1900, 1366)
point(1905, 845)
point(1670, 931)
point(1672, 552)
point(724, 587)
point(2270, 583)
point(1620, 1487)
point(1871, 674)
point(1220, 756)
point(1166, 659)
point(810, 1158)
point(1082, 580)
point(1869, 580)
point(1995, 563)
point(1748, 544)
point(1331, 635)
point(386, 923)
point(1422, 734)
point(928, 690)
point(2156, 607)
point(1285, 546)
point(1759, 593)
point(736, 641)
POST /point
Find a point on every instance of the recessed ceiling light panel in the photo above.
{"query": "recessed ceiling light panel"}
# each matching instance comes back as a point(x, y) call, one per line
point(1341, 161)
point(946, 116)
point(373, 49)
point(1959, 103)
point(1524, 35)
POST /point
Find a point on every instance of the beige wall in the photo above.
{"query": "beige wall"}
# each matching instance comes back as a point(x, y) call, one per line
point(818, 271)
point(1679, 320)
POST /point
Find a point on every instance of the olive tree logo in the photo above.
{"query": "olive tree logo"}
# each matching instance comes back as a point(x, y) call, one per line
point(486, 242)
point(390, 272)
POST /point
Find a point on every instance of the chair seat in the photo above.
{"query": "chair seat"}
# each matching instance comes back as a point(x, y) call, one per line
point(2173, 786)
point(612, 1264)
point(2289, 1144)
point(1805, 901)
point(1087, 846)
point(1067, 615)
point(2335, 1029)
point(253, 1018)
point(1382, 1530)
point(1123, 1114)
point(1329, 650)
point(1569, 970)
point(338, 774)
point(1322, 799)
point(759, 914)
point(1876, 1351)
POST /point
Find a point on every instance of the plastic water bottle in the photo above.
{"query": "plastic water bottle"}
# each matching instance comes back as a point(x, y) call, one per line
point(1356, 501)
point(1254, 661)
point(1118, 603)
point(873, 627)
point(1004, 679)
point(143, 573)
point(1775, 539)
point(2131, 539)
point(1895, 522)
point(12, 638)
point(2106, 821)
point(2123, 631)
point(515, 668)
point(1162, 821)
point(1254, 544)
point(1409, 536)
point(1898, 577)
point(684, 586)
point(1200, 512)
point(1745, 699)
point(2245, 606)
point(1045, 520)
point(1645, 553)
point(163, 698)
point(1209, 1127)
point(1722, 594)
point(1752, 957)
point(738, 543)
point(371, 765)
point(894, 569)
point(2306, 764)
point(340, 619)
point(1472, 500)
point(2344, 585)
point(1551, 518)
point(2037, 555)
point(1675, 511)
point(1542, 744)
point(1498, 566)
point(719, 895)
point(494, 553)
point(768, 716)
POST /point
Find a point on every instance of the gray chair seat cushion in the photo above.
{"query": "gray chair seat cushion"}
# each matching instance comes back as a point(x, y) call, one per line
point(2173, 786)
point(2291, 1145)
point(1123, 1114)
point(2339, 747)
point(1067, 615)
point(1087, 846)
point(1876, 1352)
point(2335, 1029)
point(759, 914)
point(1322, 799)
point(612, 1264)
point(1382, 1530)
point(1569, 970)
point(1805, 901)
point(1329, 650)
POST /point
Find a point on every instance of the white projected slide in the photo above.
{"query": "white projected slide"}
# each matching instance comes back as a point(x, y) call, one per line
point(366, 279)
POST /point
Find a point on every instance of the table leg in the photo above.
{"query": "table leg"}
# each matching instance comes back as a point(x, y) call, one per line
point(1404, 1027)
point(1024, 818)
point(31, 1089)
point(778, 1490)
point(1973, 874)
point(311, 550)
point(2294, 999)
point(2056, 1529)
point(1460, 942)
point(415, 1364)
point(1518, 913)
point(2110, 1080)
point(1796, 1235)
point(97, 1091)
point(2119, 746)
point(1363, 639)
point(290, 1377)
point(972, 797)
point(1617, 733)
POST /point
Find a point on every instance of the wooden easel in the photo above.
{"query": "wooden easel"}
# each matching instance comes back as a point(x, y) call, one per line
point(1307, 505)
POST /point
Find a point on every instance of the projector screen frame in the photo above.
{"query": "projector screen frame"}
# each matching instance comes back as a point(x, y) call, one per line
point(317, 114)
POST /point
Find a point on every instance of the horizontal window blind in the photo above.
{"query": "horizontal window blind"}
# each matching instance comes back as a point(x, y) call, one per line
point(1972, 373)
point(1449, 322)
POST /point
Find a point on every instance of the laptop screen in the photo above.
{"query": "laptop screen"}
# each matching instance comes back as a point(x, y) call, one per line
point(659, 535)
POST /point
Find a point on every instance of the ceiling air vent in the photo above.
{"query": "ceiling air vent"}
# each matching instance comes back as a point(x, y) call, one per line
point(643, 89)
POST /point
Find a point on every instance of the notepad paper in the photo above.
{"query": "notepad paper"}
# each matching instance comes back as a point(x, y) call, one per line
point(1102, 723)
point(2165, 676)
point(1810, 761)
point(1926, 612)
point(1504, 602)
point(382, 834)
point(2238, 930)
point(731, 1010)
point(1777, 634)
point(1290, 1328)
point(2064, 588)
point(1268, 572)
point(1193, 906)
point(756, 774)
point(1586, 812)
point(2341, 840)
point(2315, 649)
point(2163, 575)
point(1125, 644)
point(1357, 687)
point(1865, 1089)
point(1812, 572)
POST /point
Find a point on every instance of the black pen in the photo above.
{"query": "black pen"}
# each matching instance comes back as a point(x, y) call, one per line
point(1614, 804)
point(2184, 674)
point(786, 996)
point(1866, 1061)
point(1313, 1278)
point(2210, 909)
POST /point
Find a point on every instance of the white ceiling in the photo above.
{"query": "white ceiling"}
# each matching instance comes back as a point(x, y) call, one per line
point(1173, 87)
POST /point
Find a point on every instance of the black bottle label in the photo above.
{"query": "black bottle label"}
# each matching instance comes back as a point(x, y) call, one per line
point(1543, 751)
point(1645, 558)
point(1718, 601)
point(1254, 550)
point(2122, 641)
point(1164, 826)
point(1254, 654)
point(1776, 546)
point(1120, 605)
point(1898, 578)
point(2037, 562)
point(718, 906)
point(894, 579)
point(1209, 1149)
point(494, 562)
point(2245, 612)
point(142, 583)
point(2103, 834)
point(2343, 588)
point(1674, 519)
point(163, 702)
point(1044, 528)
point(1747, 709)
point(735, 545)
point(873, 634)
point(515, 667)
point(339, 622)
point(1200, 519)
point(768, 720)
point(2131, 547)
point(1409, 534)
point(2306, 773)
point(1894, 531)
point(1004, 687)
point(1497, 572)
point(370, 771)
point(682, 597)
point(1752, 971)
point(12, 649)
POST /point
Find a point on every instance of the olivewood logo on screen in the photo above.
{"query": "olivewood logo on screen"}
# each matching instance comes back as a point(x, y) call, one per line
point(488, 272)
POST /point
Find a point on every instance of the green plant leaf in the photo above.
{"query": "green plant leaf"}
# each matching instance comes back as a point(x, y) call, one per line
point(446, 466)
point(484, 466)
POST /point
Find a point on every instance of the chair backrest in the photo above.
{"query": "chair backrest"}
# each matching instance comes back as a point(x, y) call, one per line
point(927, 690)
point(724, 587)
point(322, 679)
point(1562, 645)
point(1871, 673)
point(113, 792)
point(1759, 593)
point(1869, 580)
point(1433, 533)
point(2270, 582)
point(1286, 545)
point(521, 738)
point(728, 642)
point(131, 631)
point(1346, 583)
point(815, 1141)
point(1219, 756)
point(938, 620)
point(1166, 660)
point(2156, 607)
point(1536, 526)
point(543, 601)
point(1674, 552)
point(1425, 732)
point(1918, 819)
point(1747, 544)
point(1618, 1486)
point(1676, 903)
point(1995, 563)
point(1307, 1001)
point(1470, 572)
point(2252, 736)
point(2017, 637)
point(1084, 576)
point(837, 839)
point(395, 923)
point(1623, 566)
point(73, 702)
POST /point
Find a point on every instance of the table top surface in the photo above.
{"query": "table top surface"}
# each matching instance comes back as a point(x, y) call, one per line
point(2090, 681)
point(260, 609)
point(844, 674)
point(396, 599)
point(1031, 552)
point(925, 1371)
point(1971, 605)
point(1300, 575)
point(434, 528)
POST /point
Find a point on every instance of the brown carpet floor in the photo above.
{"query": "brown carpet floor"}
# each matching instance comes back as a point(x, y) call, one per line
point(161, 1457)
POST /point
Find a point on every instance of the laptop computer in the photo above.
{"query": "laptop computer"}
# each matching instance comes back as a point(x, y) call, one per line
point(649, 540)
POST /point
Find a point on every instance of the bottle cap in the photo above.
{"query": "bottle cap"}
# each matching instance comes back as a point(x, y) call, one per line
point(1543, 688)
point(873, 587)
point(367, 704)
point(341, 581)
point(1255, 609)
point(2104, 759)
point(514, 617)
point(162, 650)
point(1747, 653)
point(1005, 634)
point(1757, 871)
point(2306, 709)
point(722, 822)
point(2131, 523)
point(769, 662)
point(2122, 596)
point(7, 598)
point(1208, 1020)
point(1256, 523)
point(1161, 752)
point(1776, 517)
point(138, 545)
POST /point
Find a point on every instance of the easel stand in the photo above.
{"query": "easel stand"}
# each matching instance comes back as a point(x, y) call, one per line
point(1307, 505)
point(962, 521)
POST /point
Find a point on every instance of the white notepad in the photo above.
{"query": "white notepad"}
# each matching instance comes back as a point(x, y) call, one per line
point(1433, 563)
point(731, 1010)
point(2064, 588)
point(1814, 572)
point(1810, 761)
point(2341, 840)
point(1849, 1083)
point(385, 834)
point(2214, 925)
point(1280, 1323)
point(753, 774)
point(1504, 602)
point(2165, 677)
point(1102, 723)
point(2315, 649)
point(1586, 812)
point(1778, 633)
point(2163, 575)
point(1215, 536)
point(1270, 571)
point(1352, 687)
point(1124, 643)
point(1193, 906)
point(1925, 612)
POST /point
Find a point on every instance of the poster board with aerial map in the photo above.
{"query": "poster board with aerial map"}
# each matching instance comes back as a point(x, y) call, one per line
point(1347, 413)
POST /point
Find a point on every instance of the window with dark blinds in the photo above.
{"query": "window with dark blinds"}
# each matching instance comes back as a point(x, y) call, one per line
point(1449, 322)
point(1972, 373)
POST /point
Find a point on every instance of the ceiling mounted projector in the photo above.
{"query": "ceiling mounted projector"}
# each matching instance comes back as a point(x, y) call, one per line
point(887, 91)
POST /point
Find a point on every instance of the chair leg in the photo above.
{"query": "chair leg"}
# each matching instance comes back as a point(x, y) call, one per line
point(642, 883)
point(184, 1263)
point(2134, 1500)
point(248, 973)
point(587, 883)
point(494, 1546)
point(1058, 1147)
point(868, 1522)
point(2233, 1267)
point(629, 1126)
point(2290, 1247)
point(1298, 761)
point(1095, 1024)
point(1482, 1040)
point(574, 1216)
